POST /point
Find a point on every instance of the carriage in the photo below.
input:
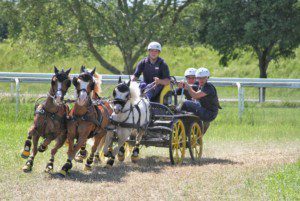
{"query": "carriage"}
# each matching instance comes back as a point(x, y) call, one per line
point(172, 129)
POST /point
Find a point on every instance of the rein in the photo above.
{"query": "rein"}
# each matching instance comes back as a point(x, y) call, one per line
point(133, 124)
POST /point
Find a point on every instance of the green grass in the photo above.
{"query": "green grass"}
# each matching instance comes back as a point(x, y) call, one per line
point(261, 124)
point(280, 183)
point(285, 183)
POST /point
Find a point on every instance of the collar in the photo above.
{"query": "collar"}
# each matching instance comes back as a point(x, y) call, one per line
point(147, 60)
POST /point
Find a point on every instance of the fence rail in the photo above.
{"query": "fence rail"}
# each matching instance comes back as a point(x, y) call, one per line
point(240, 83)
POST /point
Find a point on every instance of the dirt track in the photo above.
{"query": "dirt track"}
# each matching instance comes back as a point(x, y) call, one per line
point(223, 173)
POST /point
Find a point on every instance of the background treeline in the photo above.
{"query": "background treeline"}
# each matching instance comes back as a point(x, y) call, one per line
point(115, 33)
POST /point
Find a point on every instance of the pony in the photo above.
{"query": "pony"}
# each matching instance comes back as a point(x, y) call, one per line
point(50, 120)
point(86, 119)
point(131, 116)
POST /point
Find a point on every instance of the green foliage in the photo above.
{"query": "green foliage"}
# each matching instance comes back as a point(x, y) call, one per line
point(269, 28)
point(57, 26)
point(25, 57)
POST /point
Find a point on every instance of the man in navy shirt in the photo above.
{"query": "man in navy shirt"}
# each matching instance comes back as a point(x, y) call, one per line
point(155, 72)
point(207, 104)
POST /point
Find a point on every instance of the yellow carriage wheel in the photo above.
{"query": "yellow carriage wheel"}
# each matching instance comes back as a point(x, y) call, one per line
point(177, 142)
point(195, 141)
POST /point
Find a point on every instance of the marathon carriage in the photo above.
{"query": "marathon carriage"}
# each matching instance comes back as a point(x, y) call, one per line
point(175, 130)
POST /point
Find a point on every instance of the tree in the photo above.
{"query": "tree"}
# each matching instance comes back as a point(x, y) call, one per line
point(270, 28)
point(8, 19)
point(129, 25)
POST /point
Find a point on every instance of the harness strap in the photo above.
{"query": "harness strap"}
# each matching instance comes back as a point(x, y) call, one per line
point(53, 116)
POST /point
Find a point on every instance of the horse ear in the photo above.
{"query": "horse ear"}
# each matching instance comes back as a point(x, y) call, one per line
point(56, 70)
point(68, 71)
point(74, 81)
point(120, 80)
point(82, 69)
point(93, 71)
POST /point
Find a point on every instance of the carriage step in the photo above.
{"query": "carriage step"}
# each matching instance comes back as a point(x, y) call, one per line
point(159, 128)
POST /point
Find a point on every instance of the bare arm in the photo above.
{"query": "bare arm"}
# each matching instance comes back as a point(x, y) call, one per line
point(195, 95)
point(133, 78)
point(164, 82)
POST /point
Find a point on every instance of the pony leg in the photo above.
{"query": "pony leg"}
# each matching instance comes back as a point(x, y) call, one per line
point(89, 161)
point(107, 143)
point(59, 143)
point(99, 148)
point(123, 135)
point(27, 145)
point(82, 154)
point(136, 149)
point(72, 152)
point(43, 147)
point(68, 165)
point(29, 162)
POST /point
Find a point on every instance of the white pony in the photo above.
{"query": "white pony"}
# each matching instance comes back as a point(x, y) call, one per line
point(131, 116)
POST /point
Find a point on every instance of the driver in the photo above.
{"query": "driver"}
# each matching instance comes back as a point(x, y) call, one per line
point(155, 72)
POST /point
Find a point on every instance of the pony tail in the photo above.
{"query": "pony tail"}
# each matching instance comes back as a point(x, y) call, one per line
point(98, 82)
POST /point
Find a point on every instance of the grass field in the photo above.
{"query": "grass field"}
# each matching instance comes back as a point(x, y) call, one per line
point(252, 159)
point(257, 158)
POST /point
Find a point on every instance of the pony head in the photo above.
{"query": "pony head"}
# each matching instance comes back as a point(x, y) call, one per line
point(124, 92)
point(84, 85)
point(60, 84)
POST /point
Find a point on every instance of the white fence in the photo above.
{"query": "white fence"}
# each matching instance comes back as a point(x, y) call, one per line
point(240, 83)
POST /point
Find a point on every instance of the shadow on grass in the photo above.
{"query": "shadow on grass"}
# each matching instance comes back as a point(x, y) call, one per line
point(209, 161)
point(148, 164)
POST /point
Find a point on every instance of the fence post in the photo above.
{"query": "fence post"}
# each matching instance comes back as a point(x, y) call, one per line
point(12, 90)
point(17, 96)
point(241, 105)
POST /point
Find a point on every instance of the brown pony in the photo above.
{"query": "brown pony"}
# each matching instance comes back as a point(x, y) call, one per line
point(86, 119)
point(49, 121)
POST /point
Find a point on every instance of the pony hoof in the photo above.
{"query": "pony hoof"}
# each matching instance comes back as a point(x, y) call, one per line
point(79, 159)
point(25, 154)
point(87, 168)
point(108, 166)
point(121, 158)
point(134, 159)
point(62, 173)
point(27, 168)
point(110, 163)
point(42, 148)
point(49, 169)
point(97, 160)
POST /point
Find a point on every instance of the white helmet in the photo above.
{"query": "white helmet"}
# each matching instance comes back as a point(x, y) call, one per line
point(154, 46)
point(190, 72)
point(202, 72)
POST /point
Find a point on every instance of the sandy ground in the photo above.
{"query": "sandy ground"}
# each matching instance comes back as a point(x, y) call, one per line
point(223, 173)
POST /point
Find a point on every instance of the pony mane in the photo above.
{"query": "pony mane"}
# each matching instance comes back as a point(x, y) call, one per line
point(135, 92)
point(98, 82)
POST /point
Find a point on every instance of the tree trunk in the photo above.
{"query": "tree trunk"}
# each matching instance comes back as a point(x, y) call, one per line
point(76, 10)
point(129, 61)
point(263, 66)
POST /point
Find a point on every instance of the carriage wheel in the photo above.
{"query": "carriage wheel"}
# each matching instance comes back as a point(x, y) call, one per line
point(195, 141)
point(177, 142)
